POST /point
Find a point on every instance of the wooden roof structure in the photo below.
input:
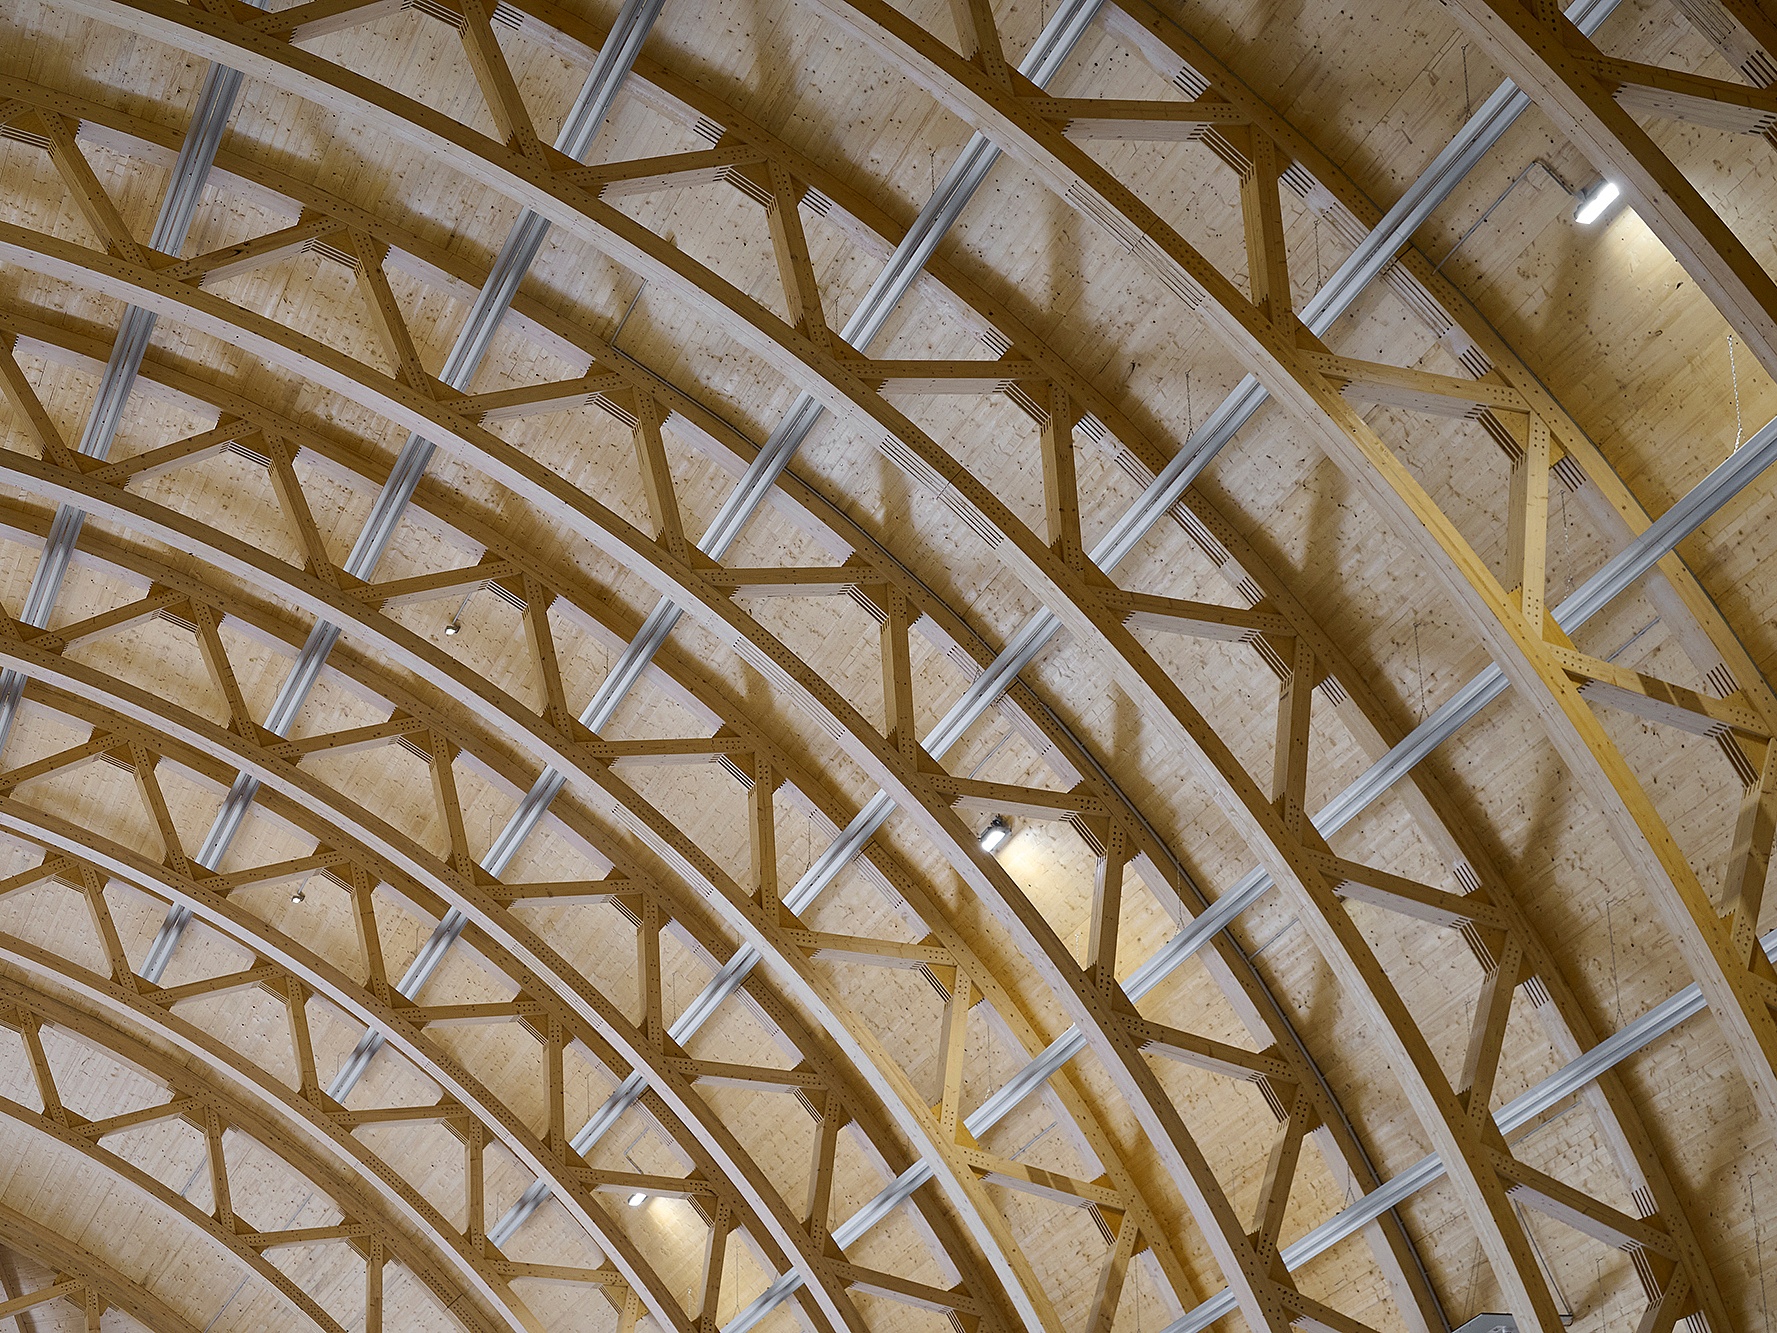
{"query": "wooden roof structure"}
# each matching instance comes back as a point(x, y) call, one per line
point(887, 666)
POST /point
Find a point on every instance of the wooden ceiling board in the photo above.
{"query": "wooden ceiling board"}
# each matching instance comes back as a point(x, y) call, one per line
point(831, 96)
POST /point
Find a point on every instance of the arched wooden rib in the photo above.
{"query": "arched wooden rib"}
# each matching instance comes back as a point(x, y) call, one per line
point(89, 1273)
point(365, 1004)
point(621, 629)
point(1704, 633)
point(1268, 1299)
point(1738, 993)
point(456, 686)
point(1716, 651)
point(670, 89)
point(343, 1178)
point(688, 587)
point(222, 1232)
point(609, 790)
point(1618, 510)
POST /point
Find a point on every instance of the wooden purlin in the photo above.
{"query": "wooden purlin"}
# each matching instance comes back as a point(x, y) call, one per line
point(1350, 442)
point(1708, 640)
point(622, 630)
point(1717, 652)
point(688, 588)
point(53, 1122)
point(635, 881)
point(87, 1273)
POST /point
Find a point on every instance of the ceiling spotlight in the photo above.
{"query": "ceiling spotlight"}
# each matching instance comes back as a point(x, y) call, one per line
point(298, 896)
point(451, 629)
point(994, 836)
point(637, 1199)
point(1594, 201)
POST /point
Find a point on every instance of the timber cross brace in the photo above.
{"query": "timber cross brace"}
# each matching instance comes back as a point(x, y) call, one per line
point(594, 903)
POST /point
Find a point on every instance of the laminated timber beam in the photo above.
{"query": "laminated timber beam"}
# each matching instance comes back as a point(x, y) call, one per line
point(687, 586)
point(300, 970)
point(958, 838)
point(618, 629)
point(318, 1145)
point(1362, 1170)
point(628, 878)
point(219, 1229)
point(1588, 97)
point(1278, 363)
point(1737, 992)
point(715, 1140)
point(81, 1278)
point(1720, 657)
point(676, 849)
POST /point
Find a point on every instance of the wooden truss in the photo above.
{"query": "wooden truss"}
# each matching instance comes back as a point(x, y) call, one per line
point(1260, 328)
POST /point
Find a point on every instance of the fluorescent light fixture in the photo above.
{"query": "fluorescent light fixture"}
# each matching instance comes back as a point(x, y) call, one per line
point(994, 836)
point(637, 1199)
point(1594, 201)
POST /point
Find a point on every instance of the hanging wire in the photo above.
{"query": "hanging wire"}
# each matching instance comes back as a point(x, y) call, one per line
point(1320, 277)
point(1563, 1307)
point(628, 310)
point(1758, 1250)
point(1190, 420)
point(1178, 892)
point(1419, 657)
point(1474, 1273)
point(456, 620)
point(1566, 538)
point(1611, 930)
point(1468, 102)
point(998, 745)
point(1734, 371)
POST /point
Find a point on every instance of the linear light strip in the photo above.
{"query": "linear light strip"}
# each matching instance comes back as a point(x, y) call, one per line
point(172, 224)
point(1521, 1110)
point(1373, 255)
point(940, 213)
point(1640, 555)
point(491, 304)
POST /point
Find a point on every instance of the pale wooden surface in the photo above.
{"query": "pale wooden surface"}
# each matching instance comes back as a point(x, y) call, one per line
point(1377, 92)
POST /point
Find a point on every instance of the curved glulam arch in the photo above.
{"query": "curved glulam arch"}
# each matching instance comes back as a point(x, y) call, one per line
point(811, 688)
point(319, 1147)
point(1633, 1147)
point(92, 1284)
point(417, 877)
point(1270, 351)
point(687, 586)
